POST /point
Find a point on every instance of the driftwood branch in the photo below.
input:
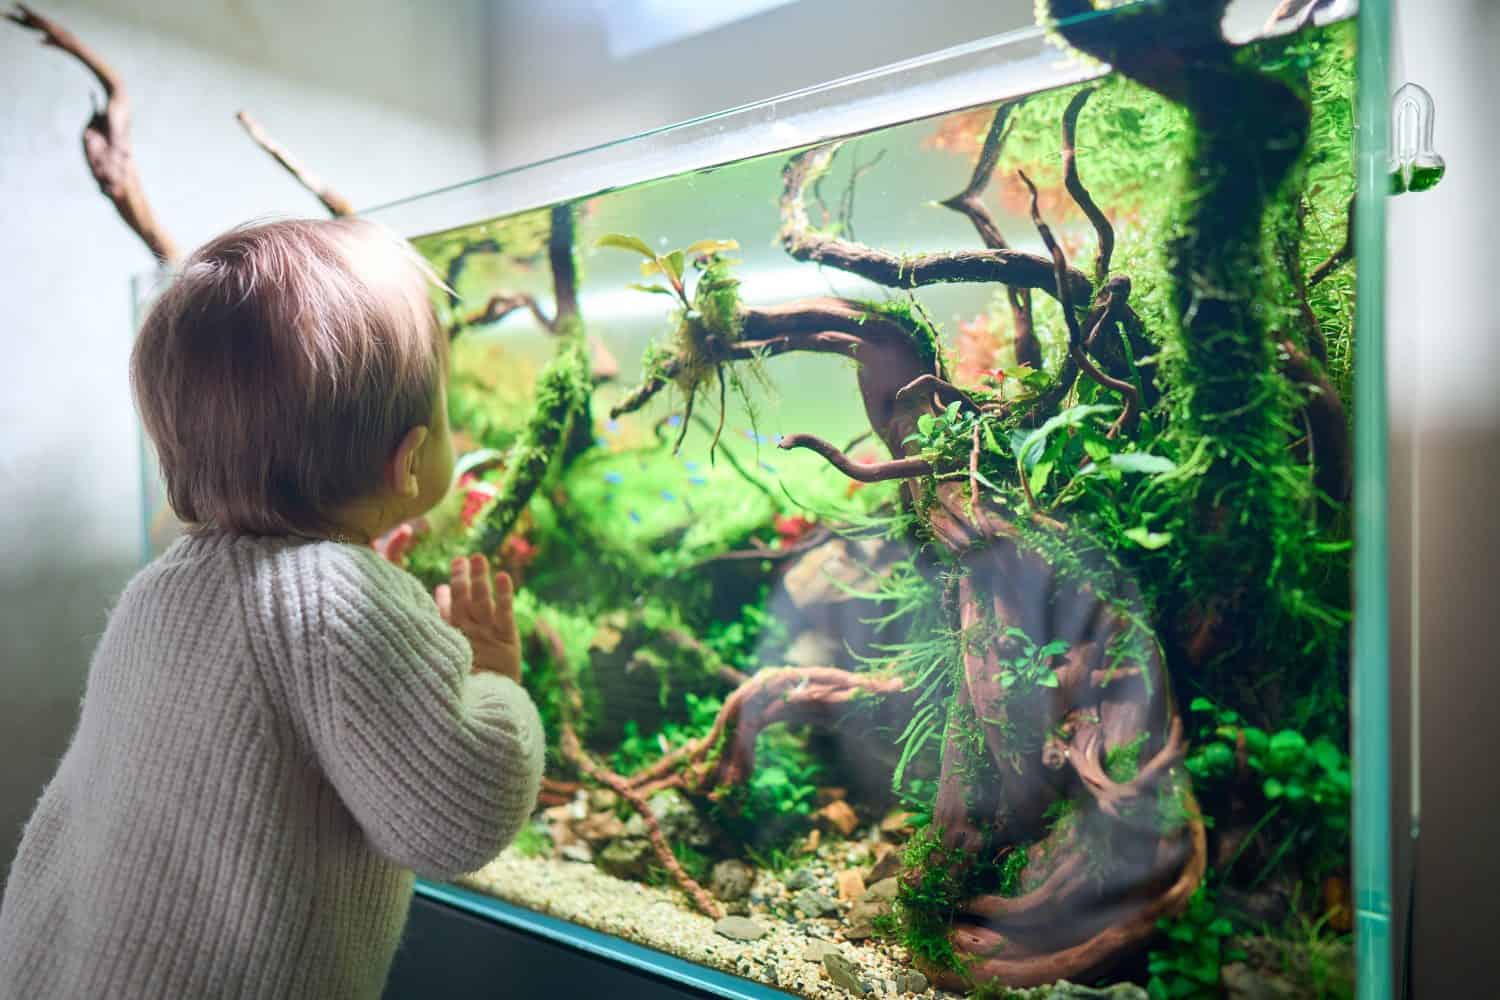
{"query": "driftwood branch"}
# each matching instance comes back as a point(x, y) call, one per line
point(336, 203)
point(1077, 351)
point(968, 201)
point(803, 242)
point(572, 750)
point(502, 304)
point(580, 758)
point(1340, 257)
point(106, 137)
point(1076, 188)
point(864, 472)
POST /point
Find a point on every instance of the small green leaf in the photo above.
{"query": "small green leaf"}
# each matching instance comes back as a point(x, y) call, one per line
point(1039, 474)
point(1148, 539)
point(1142, 462)
point(621, 241)
point(1201, 705)
point(1221, 927)
point(1274, 789)
point(1286, 748)
point(979, 477)
point(707, 247)
point(1047, 680)
point(672, 263)
point(1256, 740)
point(925, 423)
point(655, 289)
point(1218, 757)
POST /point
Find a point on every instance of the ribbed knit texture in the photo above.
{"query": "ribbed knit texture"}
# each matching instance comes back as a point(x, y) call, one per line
point(274, 736)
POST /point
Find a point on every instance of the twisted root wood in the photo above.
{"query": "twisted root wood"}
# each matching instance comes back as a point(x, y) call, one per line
point(106, 137)
point(1096, 883)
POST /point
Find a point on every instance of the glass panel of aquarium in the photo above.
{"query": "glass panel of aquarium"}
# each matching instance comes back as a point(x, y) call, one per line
point(932, 498)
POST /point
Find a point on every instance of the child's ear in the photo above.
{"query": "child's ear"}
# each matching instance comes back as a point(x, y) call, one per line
point(401, 470)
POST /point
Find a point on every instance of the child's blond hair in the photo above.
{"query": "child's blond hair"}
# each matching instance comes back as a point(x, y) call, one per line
point(280, 369)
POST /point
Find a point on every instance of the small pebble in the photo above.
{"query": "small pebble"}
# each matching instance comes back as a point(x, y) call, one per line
point(815, 904)
point(815, 950)
point(845, 973)
point(739, 929)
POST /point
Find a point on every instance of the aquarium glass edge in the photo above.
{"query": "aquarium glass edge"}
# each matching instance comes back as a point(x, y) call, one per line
point(970, 74)
point(597, 943)
point(1370, 697)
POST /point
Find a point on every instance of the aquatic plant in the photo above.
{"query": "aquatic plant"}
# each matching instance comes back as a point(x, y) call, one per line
point(1195, 947)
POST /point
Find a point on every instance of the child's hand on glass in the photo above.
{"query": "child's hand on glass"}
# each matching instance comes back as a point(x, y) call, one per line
point(484, 614)
point(396, 544)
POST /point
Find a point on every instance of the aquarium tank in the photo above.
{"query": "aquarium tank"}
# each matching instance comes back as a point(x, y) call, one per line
point(933, 501)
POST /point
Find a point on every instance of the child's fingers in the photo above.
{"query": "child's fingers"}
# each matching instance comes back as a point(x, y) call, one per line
point(505, 608)
point(444, 597)
point(482, 605)
point(401, 543)
point(459, 575)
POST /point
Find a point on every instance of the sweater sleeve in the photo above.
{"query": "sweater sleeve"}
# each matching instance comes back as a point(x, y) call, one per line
point(439, 765)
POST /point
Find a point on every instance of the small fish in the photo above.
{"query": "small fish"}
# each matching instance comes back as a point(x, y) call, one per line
point(601, 442)
point(635, 517)
point(613, 426)
point(698, 480)
point(768, 467)
point(668, 496)
point(613, 478)
point(691, 466)
point(674, 420)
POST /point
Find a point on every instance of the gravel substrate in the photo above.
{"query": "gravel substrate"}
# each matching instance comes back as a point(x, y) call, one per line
point(661, 918)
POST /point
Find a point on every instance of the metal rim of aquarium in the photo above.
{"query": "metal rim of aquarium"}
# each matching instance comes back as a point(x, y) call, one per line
point(968, 75)
point(597, 943)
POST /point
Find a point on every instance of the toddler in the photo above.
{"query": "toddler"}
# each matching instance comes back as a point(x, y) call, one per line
point(279, 726)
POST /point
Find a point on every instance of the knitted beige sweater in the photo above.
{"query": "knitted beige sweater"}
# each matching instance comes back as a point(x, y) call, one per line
point(275, 734)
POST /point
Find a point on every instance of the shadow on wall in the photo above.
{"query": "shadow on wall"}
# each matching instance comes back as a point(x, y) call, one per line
point(52, 612)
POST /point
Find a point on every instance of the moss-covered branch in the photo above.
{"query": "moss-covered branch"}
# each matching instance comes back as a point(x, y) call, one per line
point(562, 396)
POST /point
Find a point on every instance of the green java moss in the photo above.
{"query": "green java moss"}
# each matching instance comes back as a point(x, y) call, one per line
point(1123, 763)
point(562, 395)
point(531, 842)
point(908, 315)
point(1011, 871)
point(716, 299)
point(927, 898)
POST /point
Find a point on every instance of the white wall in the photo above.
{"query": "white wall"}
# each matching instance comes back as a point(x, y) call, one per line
point(1443, 333)
point(384, 99)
